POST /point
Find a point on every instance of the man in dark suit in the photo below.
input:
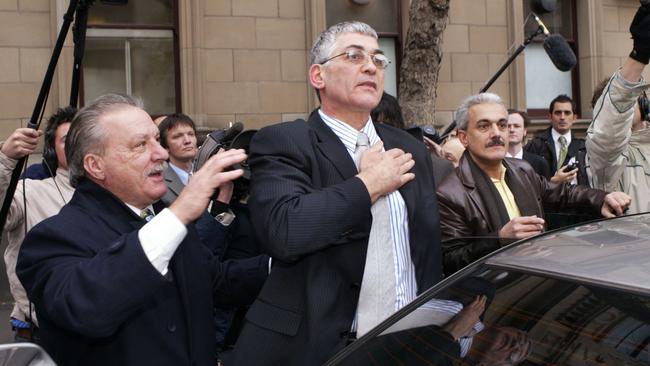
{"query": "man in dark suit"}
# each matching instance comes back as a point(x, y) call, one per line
point(499, 198)
point(518, 123)
point(113, 285)
point(317, 213)
point(559, 143)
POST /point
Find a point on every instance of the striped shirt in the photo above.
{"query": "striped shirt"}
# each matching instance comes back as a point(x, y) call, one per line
point(406, 286)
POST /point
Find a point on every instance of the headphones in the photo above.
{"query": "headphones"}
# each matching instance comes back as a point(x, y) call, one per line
point(49, 153)
point(644, 106)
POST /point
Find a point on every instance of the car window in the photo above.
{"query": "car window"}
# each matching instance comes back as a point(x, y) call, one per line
point(528, 320)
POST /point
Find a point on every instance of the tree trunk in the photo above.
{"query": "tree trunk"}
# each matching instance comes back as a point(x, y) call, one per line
point(421, 62)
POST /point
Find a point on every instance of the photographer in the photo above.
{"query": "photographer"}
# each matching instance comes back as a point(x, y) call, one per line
point(227, 235)
point(618, 139)
point(33, 201)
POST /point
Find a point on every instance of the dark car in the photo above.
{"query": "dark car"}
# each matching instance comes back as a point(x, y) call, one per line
point(578, 296)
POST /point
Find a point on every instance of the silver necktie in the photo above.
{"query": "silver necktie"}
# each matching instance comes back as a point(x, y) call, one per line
point(377, 296)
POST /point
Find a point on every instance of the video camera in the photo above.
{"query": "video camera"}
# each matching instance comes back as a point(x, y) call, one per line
point(419, 132)
point(234, 137)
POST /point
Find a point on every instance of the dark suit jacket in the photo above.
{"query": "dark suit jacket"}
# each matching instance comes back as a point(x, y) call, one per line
point(101, 302)
point(538, 163)
point(313, 217)
point(543, 145)
point(465, 214)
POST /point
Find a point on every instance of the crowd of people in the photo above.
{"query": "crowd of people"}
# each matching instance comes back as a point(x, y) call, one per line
point(122, 252)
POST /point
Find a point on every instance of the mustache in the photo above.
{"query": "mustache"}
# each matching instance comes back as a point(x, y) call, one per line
point(496, 142)
point(155, 170)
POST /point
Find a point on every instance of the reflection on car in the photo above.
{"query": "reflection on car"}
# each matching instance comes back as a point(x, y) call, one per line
point(578, 296)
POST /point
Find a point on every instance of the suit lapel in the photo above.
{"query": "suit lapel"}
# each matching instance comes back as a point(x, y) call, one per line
point(174, 183)
point(573, 148)
point(331, 147)
point(551, 147)
point(524, 200)
point(467, 179)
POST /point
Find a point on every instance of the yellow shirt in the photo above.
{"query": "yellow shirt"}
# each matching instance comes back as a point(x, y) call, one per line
point(506, 195)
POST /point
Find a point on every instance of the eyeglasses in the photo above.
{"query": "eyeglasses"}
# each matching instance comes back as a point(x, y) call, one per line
point(359, 57)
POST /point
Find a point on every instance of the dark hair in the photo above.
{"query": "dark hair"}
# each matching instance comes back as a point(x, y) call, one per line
point(388, 111)
point(562, 98)
point(170, 122)
point(598, 92)
point(61, 116)
point(523, 115)
point(644, 106)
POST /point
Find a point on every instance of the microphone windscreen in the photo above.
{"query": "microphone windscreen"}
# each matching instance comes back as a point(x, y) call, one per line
point(560, 53)
point(233, 131)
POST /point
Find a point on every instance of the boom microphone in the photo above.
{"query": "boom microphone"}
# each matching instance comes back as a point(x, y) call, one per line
point(541, 24)
point(560, 53)
point(557, 48)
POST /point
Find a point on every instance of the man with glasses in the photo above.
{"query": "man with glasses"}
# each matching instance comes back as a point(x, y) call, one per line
point(345, 206)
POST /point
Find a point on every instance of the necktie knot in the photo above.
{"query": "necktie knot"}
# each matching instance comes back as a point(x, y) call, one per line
point(562, 140)
point(363, 143)
point(146, 214)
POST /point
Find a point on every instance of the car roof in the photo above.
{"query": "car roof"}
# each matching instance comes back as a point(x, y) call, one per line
point(613, 253)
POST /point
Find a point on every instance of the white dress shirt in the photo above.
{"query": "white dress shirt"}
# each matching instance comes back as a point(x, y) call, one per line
point(405, 282)
point(160, 237)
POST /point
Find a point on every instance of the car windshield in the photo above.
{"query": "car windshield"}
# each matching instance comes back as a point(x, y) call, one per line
point(529, 319)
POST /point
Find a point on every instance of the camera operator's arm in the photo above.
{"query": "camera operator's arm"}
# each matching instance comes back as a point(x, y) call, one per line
point(22, 142)
point(610, 130)
point(564, 175)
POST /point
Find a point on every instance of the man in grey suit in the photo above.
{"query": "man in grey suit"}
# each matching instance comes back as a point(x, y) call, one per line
point(178, 136)
point(317, 189)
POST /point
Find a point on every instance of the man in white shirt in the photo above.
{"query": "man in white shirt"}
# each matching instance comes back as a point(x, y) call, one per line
point(327, 194)
point(113, 285)
point(518, 122)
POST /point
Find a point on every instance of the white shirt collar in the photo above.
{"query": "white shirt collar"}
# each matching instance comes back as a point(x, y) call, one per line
point(182, 174)
point(519, 155)
point(137, 210)
point(556, 135)
point(348, 134)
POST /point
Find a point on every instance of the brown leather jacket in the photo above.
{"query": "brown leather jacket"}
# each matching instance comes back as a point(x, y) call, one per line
point(464, 214)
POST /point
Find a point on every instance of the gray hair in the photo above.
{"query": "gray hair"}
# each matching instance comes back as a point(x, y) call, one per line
point(87, 136)
point(462, 113)
point(326, 42)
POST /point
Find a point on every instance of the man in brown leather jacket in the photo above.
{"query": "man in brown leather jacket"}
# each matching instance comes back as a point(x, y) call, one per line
point(500, 199)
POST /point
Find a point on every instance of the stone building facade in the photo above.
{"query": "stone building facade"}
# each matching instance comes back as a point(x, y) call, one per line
point(246, 60)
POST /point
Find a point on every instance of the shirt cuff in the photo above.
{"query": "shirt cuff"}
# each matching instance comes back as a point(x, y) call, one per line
point(160, 237)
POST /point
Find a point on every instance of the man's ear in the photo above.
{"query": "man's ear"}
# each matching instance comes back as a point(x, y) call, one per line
point(462, 136)
point(95, 167)
point(316, 76)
